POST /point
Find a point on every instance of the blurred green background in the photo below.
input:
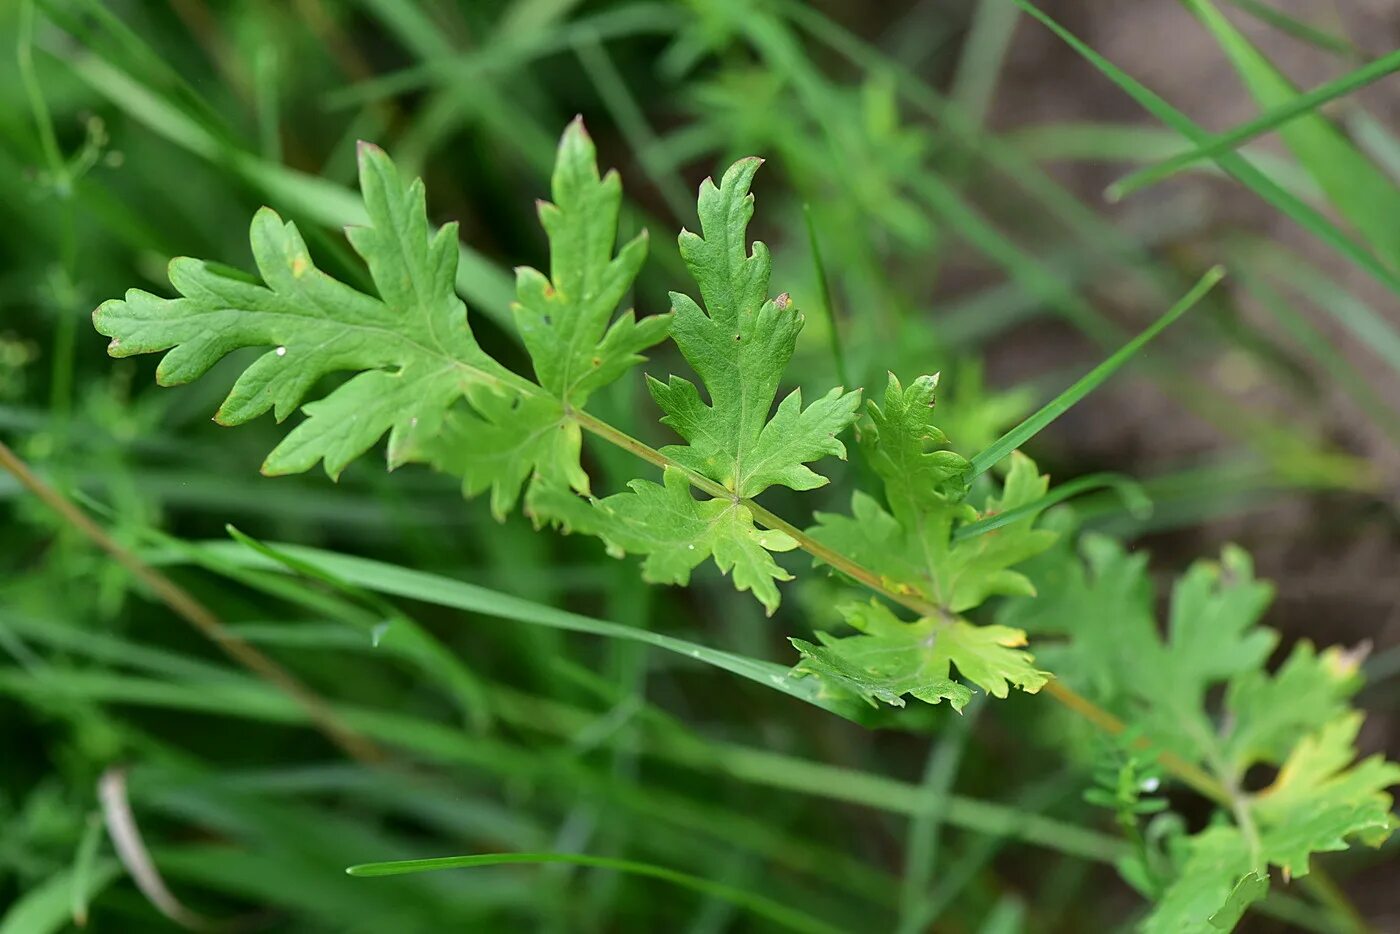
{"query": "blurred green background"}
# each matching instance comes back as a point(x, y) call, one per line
point(952, 159)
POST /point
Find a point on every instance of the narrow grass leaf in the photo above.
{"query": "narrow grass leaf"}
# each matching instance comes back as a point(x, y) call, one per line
point(444, 591)
point(1134, 499)
point(1062, 403)
point(1355, 186)
point(776, 912)
point(1238, 167)
point(1275, 118)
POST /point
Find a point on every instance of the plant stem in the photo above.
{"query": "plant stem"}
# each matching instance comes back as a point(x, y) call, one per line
point(1067, 697)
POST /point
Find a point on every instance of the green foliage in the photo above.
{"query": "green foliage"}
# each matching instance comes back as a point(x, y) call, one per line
point(892, 658)
point(911, 545)
point(540, 696)
point(913, 550)
point(411, 348)
point(1296, 719)
point(931, 541)
point(740, 345)
point(677, 532)
point(564, 321)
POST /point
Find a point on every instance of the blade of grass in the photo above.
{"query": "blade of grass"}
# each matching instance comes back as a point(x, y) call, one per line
point(46, 908)
point(921, 846)
point(1298, 29)
point(187, 607)
point(1364, 323)
point(824, 296)
point(981, 57)
point(484, 284)
point(444, 744)
point(1275, 118)
point(622, 106)
point(396, 632)
point(444, 591)
point(1134, 499)
point(1338, 368)
point(1114, 142)
point(1239, 168)
point(1358, 190)
point(461, 69)
point(1062, 403)
point(84, 870)
point(775, 912)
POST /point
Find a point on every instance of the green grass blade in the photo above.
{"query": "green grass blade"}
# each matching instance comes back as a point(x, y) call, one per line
point(981, 58)
point(84, 870)
point(1062, 403)
point(444, 591)
point(776, 912)
point(1282, 113)
point(924, 836)
point(1355, 186)
point(1239, 168)
point(622, 106)
point(1352, 312)
point(47, 908)
point(1135, 501)
point(398, 633)
point(1143, 145)
point(1304, 32)
point(824, 296)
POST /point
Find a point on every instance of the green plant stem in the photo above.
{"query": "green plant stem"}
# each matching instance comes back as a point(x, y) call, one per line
point(1067, 697)
point(1016, 437)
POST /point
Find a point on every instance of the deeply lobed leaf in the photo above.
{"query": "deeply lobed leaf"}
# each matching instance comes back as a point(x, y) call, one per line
point(412, 349)
point(564, 320)
point(420, 375)
point(892, 658)
point(740, 344)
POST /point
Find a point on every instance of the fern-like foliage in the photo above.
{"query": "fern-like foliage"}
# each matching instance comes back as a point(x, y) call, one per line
point(499, 443)
point(740, 345)
point(420, 376)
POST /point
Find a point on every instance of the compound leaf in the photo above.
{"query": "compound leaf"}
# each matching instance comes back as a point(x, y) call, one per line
point(563, 319)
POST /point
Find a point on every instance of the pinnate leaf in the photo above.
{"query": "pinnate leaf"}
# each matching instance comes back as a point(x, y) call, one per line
point(1321, 798)
point(563, 318)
